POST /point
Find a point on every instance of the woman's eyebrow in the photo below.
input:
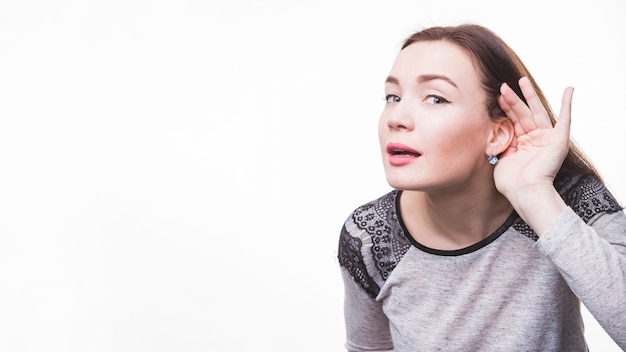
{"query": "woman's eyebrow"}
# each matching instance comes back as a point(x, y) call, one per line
point(423, 79)
point(392, 80)
point(433, 77)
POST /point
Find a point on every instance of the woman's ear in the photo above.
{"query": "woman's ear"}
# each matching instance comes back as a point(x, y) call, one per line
point(500, 137)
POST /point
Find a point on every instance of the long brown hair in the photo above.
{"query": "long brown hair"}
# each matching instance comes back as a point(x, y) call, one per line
point(497, 63)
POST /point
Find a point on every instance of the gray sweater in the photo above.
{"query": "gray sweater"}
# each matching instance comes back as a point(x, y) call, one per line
point(509, 292)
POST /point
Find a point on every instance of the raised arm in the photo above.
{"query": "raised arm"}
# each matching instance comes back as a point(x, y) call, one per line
point(590, 253)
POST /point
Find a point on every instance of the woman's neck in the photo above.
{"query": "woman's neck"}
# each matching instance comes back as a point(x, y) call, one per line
point(453, 221)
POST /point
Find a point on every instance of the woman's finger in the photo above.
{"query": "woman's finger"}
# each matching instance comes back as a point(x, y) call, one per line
point(519, 130)
point(539, 115)
point(565, 115)
point(515, 109)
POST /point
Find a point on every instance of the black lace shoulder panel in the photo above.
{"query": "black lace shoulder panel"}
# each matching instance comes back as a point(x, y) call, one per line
point(350, 258)
point(377, 222)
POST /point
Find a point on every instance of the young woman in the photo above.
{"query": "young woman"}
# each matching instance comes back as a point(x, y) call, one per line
point(497, 227)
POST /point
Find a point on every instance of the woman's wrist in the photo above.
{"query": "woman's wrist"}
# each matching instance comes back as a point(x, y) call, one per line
point(538, 206)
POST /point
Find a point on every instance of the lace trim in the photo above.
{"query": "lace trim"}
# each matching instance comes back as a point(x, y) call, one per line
point(385, 239)
point(589, 198)
point(350, 258)
point(388, 242)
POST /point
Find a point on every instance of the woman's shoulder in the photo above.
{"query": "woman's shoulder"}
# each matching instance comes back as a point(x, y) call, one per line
point(367, 216)
point(587, 196)
point(372, 242)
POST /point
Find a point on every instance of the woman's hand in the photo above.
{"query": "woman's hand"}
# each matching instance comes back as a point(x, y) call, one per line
point(526, 170)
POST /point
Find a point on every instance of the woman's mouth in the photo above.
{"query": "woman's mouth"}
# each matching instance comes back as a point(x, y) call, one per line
point(399, 154)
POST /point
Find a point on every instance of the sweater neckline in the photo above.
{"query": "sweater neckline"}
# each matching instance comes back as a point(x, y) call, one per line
point(455, 252)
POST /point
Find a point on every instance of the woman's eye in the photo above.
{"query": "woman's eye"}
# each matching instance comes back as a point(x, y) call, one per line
point(392, 98)
point(435, 99)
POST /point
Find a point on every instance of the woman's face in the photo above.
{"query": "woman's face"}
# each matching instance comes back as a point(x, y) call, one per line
point(434, 129)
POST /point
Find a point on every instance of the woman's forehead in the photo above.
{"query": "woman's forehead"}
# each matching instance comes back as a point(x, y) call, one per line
point(438, 58)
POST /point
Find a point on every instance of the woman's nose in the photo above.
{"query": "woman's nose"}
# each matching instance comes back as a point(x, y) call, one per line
point(400, 118)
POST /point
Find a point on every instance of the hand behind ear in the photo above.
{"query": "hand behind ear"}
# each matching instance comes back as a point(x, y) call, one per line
point(537, 149)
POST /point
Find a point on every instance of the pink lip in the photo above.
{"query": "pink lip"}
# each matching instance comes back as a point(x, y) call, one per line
point(399, 154)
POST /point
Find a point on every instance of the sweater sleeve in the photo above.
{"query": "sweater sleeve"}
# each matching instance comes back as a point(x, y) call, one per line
point(592, 259)
point(367, 327)
point(371, 243)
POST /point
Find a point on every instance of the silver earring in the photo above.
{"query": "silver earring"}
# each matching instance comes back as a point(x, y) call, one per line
point(493, 159)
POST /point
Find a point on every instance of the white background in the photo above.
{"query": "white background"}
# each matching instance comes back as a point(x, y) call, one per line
point(174, 174)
